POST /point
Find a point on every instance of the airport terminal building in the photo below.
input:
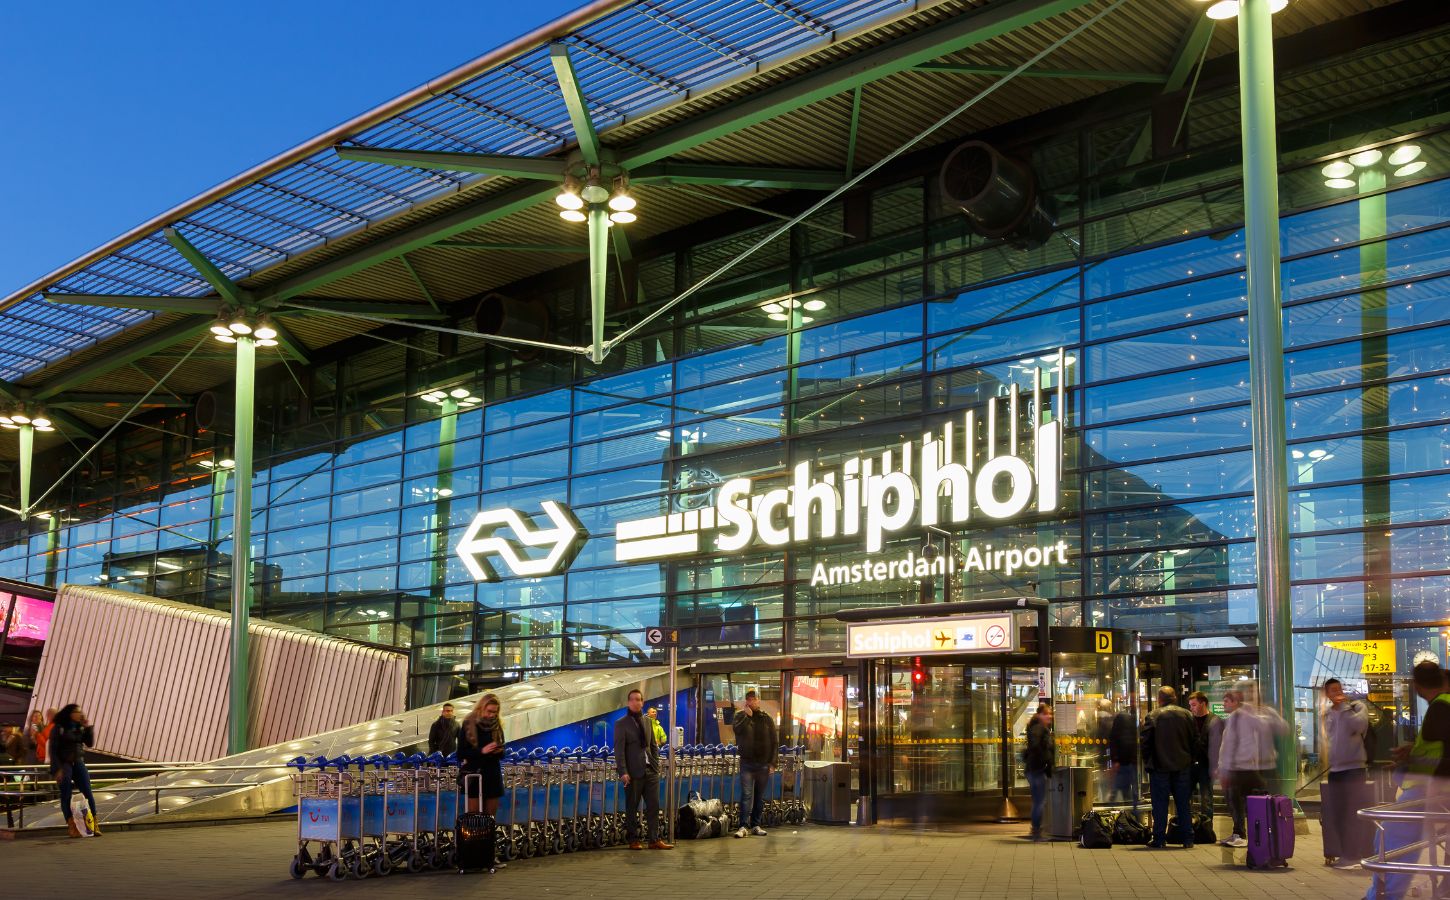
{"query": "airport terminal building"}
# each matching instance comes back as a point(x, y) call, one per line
point(1011, 362)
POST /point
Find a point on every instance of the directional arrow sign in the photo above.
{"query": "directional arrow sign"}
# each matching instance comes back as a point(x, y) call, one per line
point(661, 636)
point(482, 541)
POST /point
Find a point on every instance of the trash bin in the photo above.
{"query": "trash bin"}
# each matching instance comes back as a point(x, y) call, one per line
point(1069, 798)
point(828, 792)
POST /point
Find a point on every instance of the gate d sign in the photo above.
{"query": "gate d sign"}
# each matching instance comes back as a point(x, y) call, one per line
point(1103, 641)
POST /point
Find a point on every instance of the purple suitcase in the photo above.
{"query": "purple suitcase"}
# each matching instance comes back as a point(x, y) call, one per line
point(1271, 830)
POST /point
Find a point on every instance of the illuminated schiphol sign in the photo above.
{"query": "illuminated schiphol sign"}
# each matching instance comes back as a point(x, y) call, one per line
point(926, 637)
point(950, 477)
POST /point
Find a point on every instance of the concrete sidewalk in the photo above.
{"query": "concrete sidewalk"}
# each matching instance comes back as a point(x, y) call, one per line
point(801, 863)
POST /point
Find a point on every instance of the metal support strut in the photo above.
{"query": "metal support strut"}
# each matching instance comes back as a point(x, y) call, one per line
point(1266, 369)
point(237, 737)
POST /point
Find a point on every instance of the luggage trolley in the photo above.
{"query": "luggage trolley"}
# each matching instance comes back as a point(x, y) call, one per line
point(373, 835)
point(400, 814)
point(329, 813)
point(445, 842)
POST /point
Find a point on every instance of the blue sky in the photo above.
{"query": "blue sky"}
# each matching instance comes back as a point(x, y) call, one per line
point(112, 112)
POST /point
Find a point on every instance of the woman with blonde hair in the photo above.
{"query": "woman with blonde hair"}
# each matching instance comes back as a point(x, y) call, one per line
point(480, 752)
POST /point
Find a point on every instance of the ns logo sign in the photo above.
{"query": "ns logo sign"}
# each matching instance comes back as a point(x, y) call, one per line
point(486, 541)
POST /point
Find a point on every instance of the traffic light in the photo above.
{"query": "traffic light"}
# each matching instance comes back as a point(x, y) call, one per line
point(920, 678)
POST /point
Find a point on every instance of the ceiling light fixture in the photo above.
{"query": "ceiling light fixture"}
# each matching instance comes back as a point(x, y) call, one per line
point(594, 192)
point(572, 215)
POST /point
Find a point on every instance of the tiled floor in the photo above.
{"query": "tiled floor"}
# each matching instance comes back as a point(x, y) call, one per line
point(793, 863)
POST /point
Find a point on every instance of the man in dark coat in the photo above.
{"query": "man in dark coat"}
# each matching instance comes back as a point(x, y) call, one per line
point(1170, 744)
point(443, 736)
point(755, 736)
point(637, 760)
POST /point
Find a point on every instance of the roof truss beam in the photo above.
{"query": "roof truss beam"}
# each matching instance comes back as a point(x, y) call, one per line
point(1085, 74)
point(670, 172)
point(365, 307)
point(515, 248)
point(534, 168)
point(200, 306)
point(208, 270)
point(1190, 51)
point(576, 103)
point(123, 356)
point(79, 398)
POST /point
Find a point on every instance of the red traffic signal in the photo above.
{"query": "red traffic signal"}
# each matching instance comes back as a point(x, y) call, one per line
point(920, 678)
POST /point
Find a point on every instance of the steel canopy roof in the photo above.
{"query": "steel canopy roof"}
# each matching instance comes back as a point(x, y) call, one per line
point(762, 82)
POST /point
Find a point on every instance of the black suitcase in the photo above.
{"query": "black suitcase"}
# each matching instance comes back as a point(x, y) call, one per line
point(475, 833)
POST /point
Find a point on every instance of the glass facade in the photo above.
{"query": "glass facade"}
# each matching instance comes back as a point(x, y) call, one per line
point(872, 322)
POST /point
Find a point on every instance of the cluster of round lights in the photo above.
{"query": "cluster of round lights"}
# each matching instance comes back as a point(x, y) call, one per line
point(779, 309)
point(219, 464)
point(16, 420)
point(1228, 9)
point(1404, 160)
point(228, 329)
point(1317, 455)
point(461, 396)
point(572, 199)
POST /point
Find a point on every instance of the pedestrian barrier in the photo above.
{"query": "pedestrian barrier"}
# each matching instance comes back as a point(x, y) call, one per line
point(372, 816)
point(1404, 831)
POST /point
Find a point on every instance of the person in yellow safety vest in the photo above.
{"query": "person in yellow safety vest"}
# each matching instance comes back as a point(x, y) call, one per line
point(654, 718)
point(1425, 769)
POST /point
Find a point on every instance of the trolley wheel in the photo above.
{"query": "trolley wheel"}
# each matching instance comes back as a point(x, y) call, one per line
point(556, 846)
point(297, 869)
point(415, 862)
point(382, 865)
point(336, 872)
point(323, 861)
point(359, 867)
point(571, 843)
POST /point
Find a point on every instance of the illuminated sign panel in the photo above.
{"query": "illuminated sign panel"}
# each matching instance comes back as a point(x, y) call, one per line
point(955, 475)
point(928, 637)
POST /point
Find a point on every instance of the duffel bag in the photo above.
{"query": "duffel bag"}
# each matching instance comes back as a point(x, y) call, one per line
point(1203, 832)
point(1097, 830)
point(1130, 830)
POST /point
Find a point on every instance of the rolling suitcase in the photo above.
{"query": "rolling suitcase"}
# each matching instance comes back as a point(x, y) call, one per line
point(475, 833)
point(1271, 830)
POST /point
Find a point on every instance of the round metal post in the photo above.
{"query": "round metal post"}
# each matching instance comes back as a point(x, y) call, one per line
point(238, 703)
point(1266, 368)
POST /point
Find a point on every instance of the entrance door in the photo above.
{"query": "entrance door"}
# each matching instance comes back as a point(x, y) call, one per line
point(939, 750)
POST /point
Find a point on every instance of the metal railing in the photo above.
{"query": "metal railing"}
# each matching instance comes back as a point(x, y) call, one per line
point(1433, 817)
point(28, 785)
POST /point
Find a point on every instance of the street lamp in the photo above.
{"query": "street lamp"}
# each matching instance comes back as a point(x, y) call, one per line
point(1229, 9)
point(1368, 170)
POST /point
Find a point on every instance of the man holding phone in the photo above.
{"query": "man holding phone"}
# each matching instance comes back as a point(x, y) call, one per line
point(755, 736)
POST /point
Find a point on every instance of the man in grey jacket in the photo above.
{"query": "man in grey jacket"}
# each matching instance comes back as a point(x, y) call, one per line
point(1345, 790)
point(637, 760)
point(1247, 758)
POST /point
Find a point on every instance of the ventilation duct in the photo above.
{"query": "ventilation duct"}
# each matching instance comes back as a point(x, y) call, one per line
point(214, 410)
point(508, 317)
point(997, 194)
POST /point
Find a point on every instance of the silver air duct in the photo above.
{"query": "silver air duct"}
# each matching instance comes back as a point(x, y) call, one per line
point(509, 317)
point(997, 194)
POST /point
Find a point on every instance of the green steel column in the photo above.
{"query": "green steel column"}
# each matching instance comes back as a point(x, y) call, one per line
point(447, 434)
point(598, 278)
point(1266, 369)
point(237, 718)
point(27, 458)
point(52, 549)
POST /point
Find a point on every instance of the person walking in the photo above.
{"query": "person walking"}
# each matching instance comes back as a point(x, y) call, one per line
point(443, 735)
point(1247, 757)
point(637, 761)
point(480, 752)
point(1346, 789)
point(1200, 779)
point(755, 736)
point(1170, 745)
point(1424, 767)
point(1037, 760)
point(71, 733)
point(1123, 756)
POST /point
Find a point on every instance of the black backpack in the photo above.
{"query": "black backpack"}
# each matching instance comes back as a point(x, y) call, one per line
point(1130, 829)
point(1097, 830)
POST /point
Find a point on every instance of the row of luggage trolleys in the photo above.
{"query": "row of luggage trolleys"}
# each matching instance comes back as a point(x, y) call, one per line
point(362, 816)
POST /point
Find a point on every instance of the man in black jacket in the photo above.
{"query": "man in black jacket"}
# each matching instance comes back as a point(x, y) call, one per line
point(637, 760)
point(755, 736)
point(443, 736)
point(1170, 744)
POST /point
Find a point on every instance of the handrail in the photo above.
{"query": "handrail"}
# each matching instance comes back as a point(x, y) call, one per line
point(35, 790)
point(1389, 861)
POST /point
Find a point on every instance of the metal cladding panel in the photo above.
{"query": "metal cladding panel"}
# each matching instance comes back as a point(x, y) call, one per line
point(152, 676)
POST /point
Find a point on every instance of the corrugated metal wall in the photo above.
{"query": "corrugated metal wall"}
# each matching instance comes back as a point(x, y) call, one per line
point(152, 676)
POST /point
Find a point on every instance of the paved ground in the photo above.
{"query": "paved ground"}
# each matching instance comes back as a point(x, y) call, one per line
point(804, 863)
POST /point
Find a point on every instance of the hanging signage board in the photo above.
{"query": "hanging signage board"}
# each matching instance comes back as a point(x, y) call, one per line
point(1378, 656)
point(995, 633)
